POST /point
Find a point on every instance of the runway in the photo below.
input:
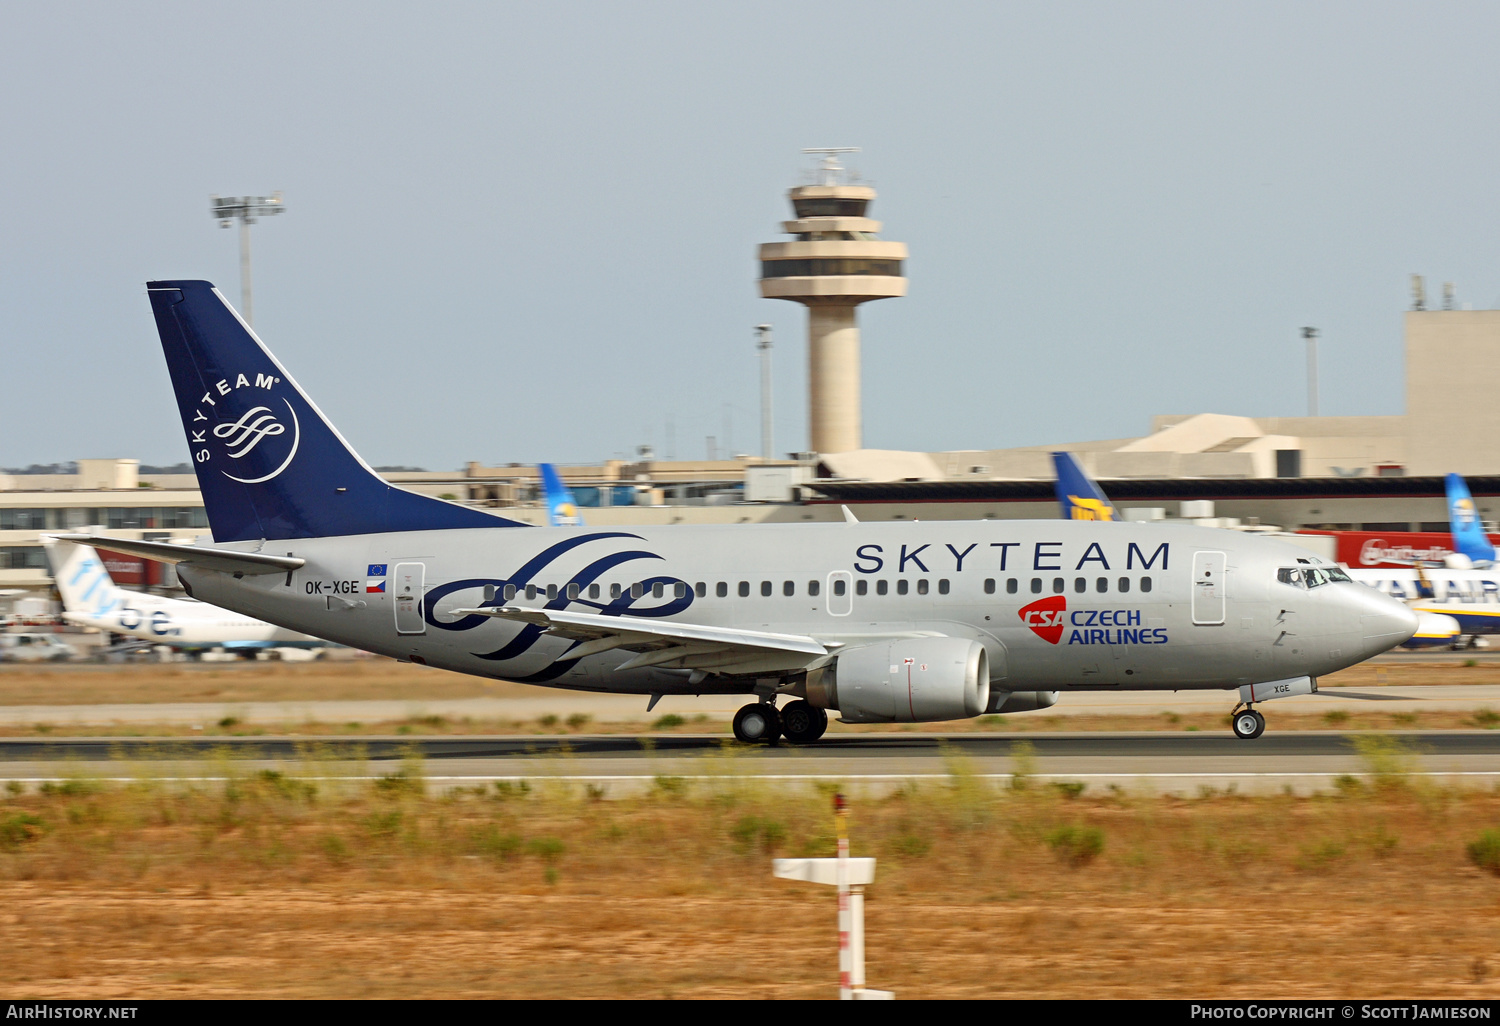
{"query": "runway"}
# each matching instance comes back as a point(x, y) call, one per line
point(1305, 761)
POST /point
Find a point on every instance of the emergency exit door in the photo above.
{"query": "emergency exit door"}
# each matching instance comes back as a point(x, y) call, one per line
point(1208, 588)
point(407, 588)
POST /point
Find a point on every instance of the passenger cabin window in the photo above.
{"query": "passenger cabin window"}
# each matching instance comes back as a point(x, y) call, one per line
point(989, 586)
point(551, 592)
point(593, 591)
point(840, 586)
point(1011, 585)
point(679, 590)
point(510, 592)
point(788, 588)
point(637, 590)
point(1145, 584)
point(922, 586)
point(765, 589)
point(902, 587)
point(700, 589)
point(531, 591)
point(943, 586)
point(812, 588)
point(722, 589)
point(861, 587)
point(1080, 584)
point(1036, 585)
point(614, 591)
point(1124, 584)
point(1101, 585)
point(1057, 585)
point(881, 587)
point(572, 591)
point(656, 590)
point(744, 589)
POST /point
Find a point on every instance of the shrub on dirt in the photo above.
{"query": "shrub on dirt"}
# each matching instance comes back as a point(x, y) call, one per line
point(1076, 845)
point(1485, 852)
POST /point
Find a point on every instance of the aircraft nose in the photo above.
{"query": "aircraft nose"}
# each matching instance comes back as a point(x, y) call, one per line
point(1384, 622)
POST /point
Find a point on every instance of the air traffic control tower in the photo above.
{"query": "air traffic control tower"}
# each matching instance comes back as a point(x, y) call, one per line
point(835, 264)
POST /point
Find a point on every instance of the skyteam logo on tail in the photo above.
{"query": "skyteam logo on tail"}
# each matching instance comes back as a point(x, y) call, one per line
point(254, 436)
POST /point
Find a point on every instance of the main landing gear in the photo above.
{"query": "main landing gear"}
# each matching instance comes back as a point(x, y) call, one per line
point(1247, 723)
point(800, 722)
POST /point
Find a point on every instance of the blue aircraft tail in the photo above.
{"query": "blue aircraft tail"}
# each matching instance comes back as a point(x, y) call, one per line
point(269, 463)
point(1469, 538)
point(562, 511)
point(1077, 494)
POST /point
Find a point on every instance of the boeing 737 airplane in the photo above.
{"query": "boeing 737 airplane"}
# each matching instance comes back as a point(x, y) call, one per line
point(91, 598)
point(562, 511)
point(888, 622)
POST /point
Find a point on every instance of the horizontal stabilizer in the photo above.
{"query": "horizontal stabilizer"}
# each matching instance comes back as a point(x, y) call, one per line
point(223, 560)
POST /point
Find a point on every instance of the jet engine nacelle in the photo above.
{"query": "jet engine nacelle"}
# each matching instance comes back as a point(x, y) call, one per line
point(912, 680)
point(1020, 701)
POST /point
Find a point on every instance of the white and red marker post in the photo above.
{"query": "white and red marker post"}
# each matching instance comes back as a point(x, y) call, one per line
point(850, 876)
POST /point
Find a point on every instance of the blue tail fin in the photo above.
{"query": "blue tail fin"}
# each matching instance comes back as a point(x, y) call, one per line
point(1077, 494)
point(1469, 538)
point(562, 511)
point(269, 463)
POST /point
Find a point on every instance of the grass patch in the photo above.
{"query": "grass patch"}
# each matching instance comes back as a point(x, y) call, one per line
point(667, 722)
point(1076, 845)
point(1486, 717)
point(1484, 852)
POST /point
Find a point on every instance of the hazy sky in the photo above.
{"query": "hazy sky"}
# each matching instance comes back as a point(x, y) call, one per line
point(521, 232)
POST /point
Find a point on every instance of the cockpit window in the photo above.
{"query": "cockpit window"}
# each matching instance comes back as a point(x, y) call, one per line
point(1312, 576)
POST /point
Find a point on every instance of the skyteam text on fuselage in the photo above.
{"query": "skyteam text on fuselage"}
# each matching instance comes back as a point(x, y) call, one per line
point(877, 622)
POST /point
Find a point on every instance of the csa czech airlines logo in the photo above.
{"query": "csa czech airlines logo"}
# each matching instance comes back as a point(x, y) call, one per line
point(1045, 617)
point(241, 435)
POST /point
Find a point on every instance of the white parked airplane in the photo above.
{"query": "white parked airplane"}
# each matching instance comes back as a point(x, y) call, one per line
point(877, 622)
point(92, 599)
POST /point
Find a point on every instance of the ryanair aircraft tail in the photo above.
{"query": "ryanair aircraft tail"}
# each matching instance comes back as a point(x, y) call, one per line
point(1077, 494)
point(562, 511)
point(269, 463)
point(1469, 539)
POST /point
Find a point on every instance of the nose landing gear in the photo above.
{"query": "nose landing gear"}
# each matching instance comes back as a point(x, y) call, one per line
point(1247, 723)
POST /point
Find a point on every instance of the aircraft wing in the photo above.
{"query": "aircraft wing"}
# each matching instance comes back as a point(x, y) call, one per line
point(224, 560)
point(658, 643)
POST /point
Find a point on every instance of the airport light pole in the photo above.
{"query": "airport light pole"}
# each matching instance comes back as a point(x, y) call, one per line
point(247, 210)
point(763, 343)
point(1311, 334)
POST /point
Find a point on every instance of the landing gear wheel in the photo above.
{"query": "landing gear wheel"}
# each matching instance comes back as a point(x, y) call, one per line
point(1248, 724)
point(803, 723)
point(757, 723)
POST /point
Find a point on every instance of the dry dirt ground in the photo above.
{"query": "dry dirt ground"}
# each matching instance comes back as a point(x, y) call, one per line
point(275, 889)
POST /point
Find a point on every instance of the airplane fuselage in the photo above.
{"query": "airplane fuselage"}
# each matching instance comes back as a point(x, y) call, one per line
point(1056, 605)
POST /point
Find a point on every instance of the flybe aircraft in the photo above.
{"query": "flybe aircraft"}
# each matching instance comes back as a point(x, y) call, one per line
point(562, 511)
point(904, 622)
point(91, 598)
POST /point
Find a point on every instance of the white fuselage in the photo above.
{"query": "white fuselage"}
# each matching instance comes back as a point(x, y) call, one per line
point(1057, 605)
